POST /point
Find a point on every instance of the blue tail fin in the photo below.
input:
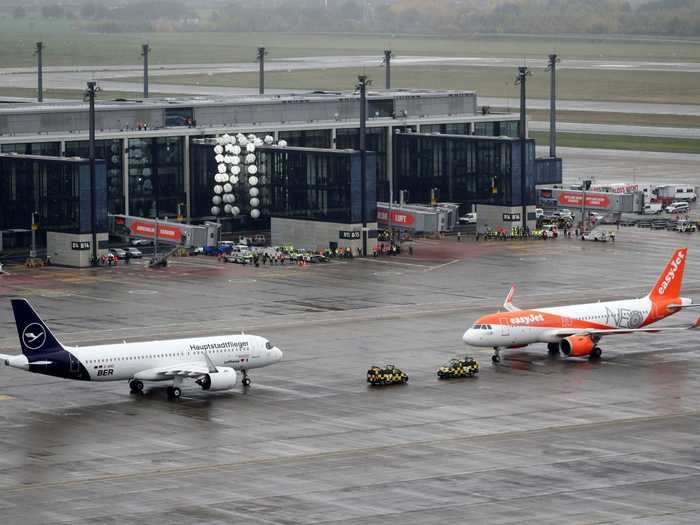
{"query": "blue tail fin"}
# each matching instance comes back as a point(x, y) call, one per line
point(34, 336)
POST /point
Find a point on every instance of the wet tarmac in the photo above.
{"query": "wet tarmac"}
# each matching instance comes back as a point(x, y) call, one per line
point(532, 440)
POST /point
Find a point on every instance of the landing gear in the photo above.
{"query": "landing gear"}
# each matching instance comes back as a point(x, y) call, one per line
point(496, 357)
point(174, 392)
point(595, 353)
point(246, 379)
point(553, 348)
point(136, 386)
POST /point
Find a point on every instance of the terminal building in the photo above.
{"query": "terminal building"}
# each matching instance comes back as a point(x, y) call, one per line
point(157, 165)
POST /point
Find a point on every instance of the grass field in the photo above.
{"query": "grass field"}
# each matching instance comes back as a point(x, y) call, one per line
point(67, 45)
point(583, 140)
point(622, 86)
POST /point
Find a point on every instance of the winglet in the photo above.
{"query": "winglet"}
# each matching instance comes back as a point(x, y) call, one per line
point(508, 305)
point(210, 364)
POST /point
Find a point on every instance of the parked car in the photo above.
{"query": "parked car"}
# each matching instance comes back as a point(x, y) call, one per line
point(563, 212)
point(595, 235)
point(118, 252)
point(469, 218)
point(550, 230)
point(677, 207)
point(133, 252)
point(539, 213)
point(239, 254)
point(140, 242)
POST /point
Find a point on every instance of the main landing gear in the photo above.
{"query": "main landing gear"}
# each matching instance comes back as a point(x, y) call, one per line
point(553, 348)
point(496, 357)
point(595, 353)
point(136, 386)
point(246, 379)
point(174, 392)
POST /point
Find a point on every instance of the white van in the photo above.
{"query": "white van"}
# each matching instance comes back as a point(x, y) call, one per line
point(653, 208)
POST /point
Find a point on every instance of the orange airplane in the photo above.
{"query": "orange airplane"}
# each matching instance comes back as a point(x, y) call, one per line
point(576, 330)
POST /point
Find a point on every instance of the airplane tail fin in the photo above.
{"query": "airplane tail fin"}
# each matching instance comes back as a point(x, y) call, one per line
point(669, 283)
point(508, 303)
point(35, 337)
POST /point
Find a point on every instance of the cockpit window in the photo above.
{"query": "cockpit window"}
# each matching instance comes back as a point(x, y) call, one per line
point(476, 327)
point(268, 345)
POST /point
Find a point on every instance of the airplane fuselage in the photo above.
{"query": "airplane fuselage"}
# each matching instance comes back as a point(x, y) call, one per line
point(543, 325)
point(144, 360)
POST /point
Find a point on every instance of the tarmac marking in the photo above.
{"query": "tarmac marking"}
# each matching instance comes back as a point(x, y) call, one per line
point(4, 397)
point(441, 265)
point(396, 262)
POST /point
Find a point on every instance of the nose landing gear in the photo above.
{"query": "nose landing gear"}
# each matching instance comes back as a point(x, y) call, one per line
point(496, 357)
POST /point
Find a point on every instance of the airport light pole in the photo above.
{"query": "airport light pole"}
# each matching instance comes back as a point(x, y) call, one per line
point(145, 50)
point(521, 80)
point(362, 83)
point(388, 55)
point(261, 59)
point(90, 95)
point(552, 69)
point(32, 251)
point(39, 71)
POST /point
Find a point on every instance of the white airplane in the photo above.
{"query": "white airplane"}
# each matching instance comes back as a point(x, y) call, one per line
point(576, 330)
point(211, 362)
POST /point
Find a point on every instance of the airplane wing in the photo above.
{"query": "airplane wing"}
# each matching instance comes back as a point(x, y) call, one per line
point(507, 304)
point(620, 331)
point(184, 370)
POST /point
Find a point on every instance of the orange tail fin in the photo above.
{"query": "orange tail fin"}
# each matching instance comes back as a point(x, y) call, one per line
point(670, 280)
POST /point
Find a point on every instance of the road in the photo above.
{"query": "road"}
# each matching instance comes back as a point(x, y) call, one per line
point(618, 129)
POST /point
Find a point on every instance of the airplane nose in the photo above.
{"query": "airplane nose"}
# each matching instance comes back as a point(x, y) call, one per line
point(466, 337)
point(277, 354)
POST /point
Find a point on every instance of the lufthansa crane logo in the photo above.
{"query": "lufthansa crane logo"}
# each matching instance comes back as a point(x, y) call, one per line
point(34, 336)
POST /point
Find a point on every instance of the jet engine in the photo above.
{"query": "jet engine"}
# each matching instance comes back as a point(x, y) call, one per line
point(223, 379)
point(576, 345)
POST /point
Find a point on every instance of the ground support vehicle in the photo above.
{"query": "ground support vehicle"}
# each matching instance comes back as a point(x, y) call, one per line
point(685, 226)
point(389, 375)
point(465, 367)
point(596, 235)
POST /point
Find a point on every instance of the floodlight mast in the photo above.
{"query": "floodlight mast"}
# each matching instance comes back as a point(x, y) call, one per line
point(362, 84)
point(523, 73)
point(145, 50)
point(261, 59)
point(388, 55)
point(39, 71)
point(552, 69)
point(90, 95)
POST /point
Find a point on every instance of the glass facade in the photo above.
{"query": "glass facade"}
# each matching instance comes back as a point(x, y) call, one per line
point(506, 128)
point(36, 148)
point(302, 183)
point(454, 128)
point(306, 138)
point(463, 169)
point(156, 181)
point(111, 152)
point(57, 189)
point(377, 143)
point(319, 185)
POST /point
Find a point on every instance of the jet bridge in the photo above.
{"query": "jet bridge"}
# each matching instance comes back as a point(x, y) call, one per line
point(177, 233)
